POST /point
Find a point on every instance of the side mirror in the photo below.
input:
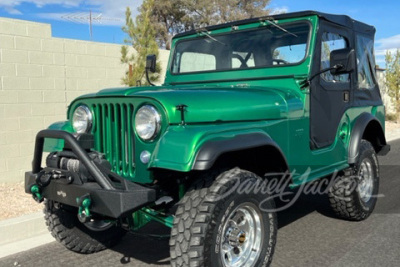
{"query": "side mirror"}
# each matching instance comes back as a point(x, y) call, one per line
point(151, 63)
point(342, 61)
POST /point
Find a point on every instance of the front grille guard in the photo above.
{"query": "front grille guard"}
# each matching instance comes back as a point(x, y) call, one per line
point(79, 152)
point(111, 195)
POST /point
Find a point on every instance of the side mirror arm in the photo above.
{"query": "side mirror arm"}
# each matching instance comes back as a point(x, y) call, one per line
point(148, 78)
point(308, 81)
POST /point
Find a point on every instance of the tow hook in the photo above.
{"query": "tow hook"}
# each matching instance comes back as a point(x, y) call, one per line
point(36, 193)
point(84, 203)
point(42, 180)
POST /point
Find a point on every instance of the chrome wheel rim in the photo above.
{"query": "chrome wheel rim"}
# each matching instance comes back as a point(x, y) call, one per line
point(366, 180)
point(243, 236)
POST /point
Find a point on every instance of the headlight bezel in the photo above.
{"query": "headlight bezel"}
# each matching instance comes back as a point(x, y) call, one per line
point(157, 123)
point(89, 120)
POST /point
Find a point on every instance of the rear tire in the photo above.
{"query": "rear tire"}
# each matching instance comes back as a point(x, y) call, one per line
point(236, 230)
point(354, 197)
point(65, 227)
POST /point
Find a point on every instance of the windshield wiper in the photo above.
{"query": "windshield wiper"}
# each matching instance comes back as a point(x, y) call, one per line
point(205, 33)
point(280, 28)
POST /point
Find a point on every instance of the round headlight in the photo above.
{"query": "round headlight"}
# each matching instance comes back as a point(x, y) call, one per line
point(147, 122)
point(82, 119)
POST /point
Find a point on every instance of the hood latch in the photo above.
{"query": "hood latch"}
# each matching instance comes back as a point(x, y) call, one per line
point(182, 109)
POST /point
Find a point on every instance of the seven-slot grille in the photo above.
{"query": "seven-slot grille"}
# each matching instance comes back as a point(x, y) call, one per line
point(114, 136)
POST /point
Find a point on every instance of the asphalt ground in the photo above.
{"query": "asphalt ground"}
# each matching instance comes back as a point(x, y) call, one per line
point(309, 235)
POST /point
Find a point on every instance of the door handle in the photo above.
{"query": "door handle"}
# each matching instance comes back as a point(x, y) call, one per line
point(346, 96)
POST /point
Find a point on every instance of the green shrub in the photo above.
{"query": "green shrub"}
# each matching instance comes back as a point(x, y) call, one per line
point(391, 116)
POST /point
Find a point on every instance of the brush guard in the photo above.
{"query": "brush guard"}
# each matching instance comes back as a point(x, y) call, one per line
point(108, 195)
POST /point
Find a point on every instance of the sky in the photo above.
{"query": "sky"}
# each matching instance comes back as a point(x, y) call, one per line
point(69, 18)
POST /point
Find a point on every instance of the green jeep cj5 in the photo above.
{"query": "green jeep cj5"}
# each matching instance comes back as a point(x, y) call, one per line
point(243, 106)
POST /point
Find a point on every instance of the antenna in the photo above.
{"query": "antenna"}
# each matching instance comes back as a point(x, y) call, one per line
point(90, 18)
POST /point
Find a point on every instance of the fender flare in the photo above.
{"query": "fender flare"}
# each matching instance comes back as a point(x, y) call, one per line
point(211, 150)
point(357, 134)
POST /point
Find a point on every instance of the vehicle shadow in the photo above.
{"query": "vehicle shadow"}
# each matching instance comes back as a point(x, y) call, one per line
point(145, 248)
point(304, 205)
point(155, 251)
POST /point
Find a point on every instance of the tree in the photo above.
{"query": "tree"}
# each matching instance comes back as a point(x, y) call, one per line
point(142, 37)
point(175, 16)
point(393, 79)
point(169, 19)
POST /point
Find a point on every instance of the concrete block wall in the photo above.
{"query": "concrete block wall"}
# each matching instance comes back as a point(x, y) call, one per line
point(39, 76)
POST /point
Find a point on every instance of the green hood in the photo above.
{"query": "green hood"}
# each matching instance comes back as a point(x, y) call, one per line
point(216, 104)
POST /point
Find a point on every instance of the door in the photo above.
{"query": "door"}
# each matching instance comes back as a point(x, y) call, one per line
point(330, 95)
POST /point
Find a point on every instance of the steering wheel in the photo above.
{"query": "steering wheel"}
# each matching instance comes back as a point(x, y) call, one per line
point(280, 61)
point(242, 61)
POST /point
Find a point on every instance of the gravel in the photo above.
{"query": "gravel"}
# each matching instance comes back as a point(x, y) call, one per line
point(15, 202)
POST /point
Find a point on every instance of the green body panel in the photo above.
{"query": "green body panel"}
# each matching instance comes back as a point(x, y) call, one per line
point(205, 105)
point(179, 145)
point(219, 102)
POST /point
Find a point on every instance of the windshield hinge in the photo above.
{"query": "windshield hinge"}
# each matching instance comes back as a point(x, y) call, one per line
point(302, 81)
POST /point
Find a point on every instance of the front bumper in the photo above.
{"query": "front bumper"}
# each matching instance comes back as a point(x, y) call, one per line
point(110, 195)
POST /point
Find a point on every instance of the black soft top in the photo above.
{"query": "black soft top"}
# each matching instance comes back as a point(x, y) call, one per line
point(342, 20)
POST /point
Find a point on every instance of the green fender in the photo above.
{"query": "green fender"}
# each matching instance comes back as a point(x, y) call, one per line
point(366, 124)
point(198, 147)
point(51, 145)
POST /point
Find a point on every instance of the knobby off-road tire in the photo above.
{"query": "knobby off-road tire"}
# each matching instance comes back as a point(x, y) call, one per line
point(216, 225)
point(354, 197)
point(65, 227)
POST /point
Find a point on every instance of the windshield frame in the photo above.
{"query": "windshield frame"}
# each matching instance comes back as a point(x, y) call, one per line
point(260, 28)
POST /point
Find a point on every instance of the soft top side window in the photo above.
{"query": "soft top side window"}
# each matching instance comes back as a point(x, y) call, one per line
point(365, 62)
point(331, 42)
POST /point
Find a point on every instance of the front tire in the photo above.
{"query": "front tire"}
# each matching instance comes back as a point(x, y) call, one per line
point(217, 225)
point(65, 227)
point(354, 197)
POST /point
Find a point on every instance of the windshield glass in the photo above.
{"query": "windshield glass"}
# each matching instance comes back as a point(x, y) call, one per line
point(268, 46)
